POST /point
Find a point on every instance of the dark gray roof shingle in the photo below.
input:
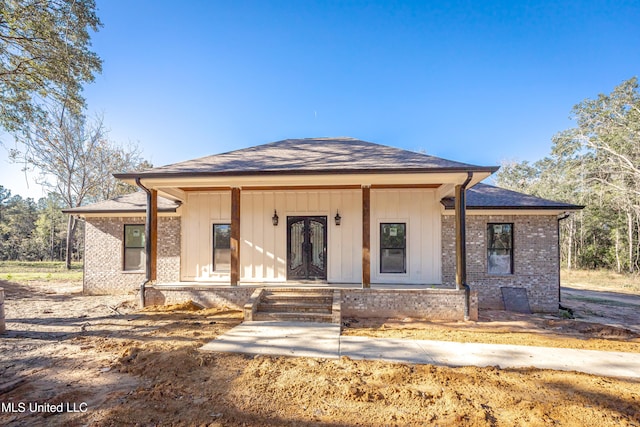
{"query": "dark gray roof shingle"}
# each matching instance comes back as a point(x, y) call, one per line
point(485, 196)
point(309, 155)
point(129, 203)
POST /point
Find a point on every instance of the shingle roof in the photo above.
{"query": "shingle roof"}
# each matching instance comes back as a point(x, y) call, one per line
point(310, 155)
point(129, 203)
point(485, 196)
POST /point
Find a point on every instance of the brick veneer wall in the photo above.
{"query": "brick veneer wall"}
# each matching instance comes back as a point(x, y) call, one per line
point(103, 273)
point(535, 259)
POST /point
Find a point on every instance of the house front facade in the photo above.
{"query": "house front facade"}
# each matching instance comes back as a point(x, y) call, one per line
point(333, 212)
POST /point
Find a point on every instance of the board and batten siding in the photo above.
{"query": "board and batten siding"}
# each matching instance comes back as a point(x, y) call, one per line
point(200, 211)
point(420, 210)
point(263, 247)
point(263, 250)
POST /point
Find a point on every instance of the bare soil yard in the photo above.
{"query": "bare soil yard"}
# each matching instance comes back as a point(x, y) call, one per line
point(115, 365)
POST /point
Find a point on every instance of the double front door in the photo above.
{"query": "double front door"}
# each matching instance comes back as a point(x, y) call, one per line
point(307, 248)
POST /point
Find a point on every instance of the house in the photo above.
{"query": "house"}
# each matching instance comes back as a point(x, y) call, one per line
point(397, 233)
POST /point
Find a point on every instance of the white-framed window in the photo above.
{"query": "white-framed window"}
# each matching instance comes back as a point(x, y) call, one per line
point(500, 248)
point(134, 247)
point(393, 247)
point(221, 248)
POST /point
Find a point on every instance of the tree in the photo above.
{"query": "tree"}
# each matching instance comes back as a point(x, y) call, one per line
point(50, 229)
point(5, 195)
point(16, 227)
point(76, 160)
point(117, 158)
point(32, 231)
point(597, 164)
point(44, 58)
point(607, 141)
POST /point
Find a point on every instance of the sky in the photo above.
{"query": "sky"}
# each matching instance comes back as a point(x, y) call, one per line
point(481, 82)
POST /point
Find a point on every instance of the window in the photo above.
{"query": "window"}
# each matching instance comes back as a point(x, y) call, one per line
point(393, 248)
point(134, 248)
point(221, 247)
point(500, 248)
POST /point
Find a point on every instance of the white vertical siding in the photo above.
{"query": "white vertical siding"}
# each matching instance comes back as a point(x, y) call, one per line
point(263, 250)
point(263, 247)
point(200, 211)
point(419, 209)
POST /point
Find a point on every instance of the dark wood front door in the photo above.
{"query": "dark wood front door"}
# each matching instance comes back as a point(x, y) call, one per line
point(307, 248)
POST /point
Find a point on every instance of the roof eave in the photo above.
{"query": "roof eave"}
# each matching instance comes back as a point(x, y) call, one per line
point(502, 207)
point(156, 175)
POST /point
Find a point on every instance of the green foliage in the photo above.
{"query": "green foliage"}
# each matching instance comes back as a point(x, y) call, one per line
point(16, 226)
point(30, 231)
point(596, 164)
point(45, 57)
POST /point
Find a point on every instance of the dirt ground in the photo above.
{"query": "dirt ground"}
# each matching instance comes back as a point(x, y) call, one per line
point(594, 320)
point(105, 363)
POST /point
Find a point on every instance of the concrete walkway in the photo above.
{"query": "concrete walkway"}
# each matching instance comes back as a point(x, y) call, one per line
point(323, 340)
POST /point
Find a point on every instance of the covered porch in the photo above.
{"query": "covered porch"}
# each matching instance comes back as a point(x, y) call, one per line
point(346, 212)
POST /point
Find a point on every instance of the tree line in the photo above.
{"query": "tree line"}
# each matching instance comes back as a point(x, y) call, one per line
point(595, 164)
point(34, 231)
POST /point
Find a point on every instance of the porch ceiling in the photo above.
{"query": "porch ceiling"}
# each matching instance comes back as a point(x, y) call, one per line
point(444, 182)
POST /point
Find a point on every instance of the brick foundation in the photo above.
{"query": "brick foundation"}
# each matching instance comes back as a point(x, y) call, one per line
point(429, 304)
point(234, 297)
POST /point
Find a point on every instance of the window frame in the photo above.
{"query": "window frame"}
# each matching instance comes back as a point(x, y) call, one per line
point(491, 247)
point(213, 247)
point(383, 248)
point(126, 248)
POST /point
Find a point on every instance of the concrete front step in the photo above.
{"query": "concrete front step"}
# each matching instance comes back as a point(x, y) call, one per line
point(296, 316)
point(303, 305)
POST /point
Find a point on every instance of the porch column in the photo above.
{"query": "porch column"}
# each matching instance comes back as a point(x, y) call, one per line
point(366, 236)
point(152, 235)
point(235, 236)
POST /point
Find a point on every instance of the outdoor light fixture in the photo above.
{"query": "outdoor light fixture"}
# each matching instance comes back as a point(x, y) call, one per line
point(274, 218)
point(338, 218)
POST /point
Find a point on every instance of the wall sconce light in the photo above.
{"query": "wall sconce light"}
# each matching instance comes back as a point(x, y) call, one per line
point(338, 218)
point(274, 218)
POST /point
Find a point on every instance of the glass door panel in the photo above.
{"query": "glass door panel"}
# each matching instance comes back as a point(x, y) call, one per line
point(306, 248)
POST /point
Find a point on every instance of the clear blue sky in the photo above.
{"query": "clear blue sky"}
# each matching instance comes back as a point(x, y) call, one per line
point(475, 81)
